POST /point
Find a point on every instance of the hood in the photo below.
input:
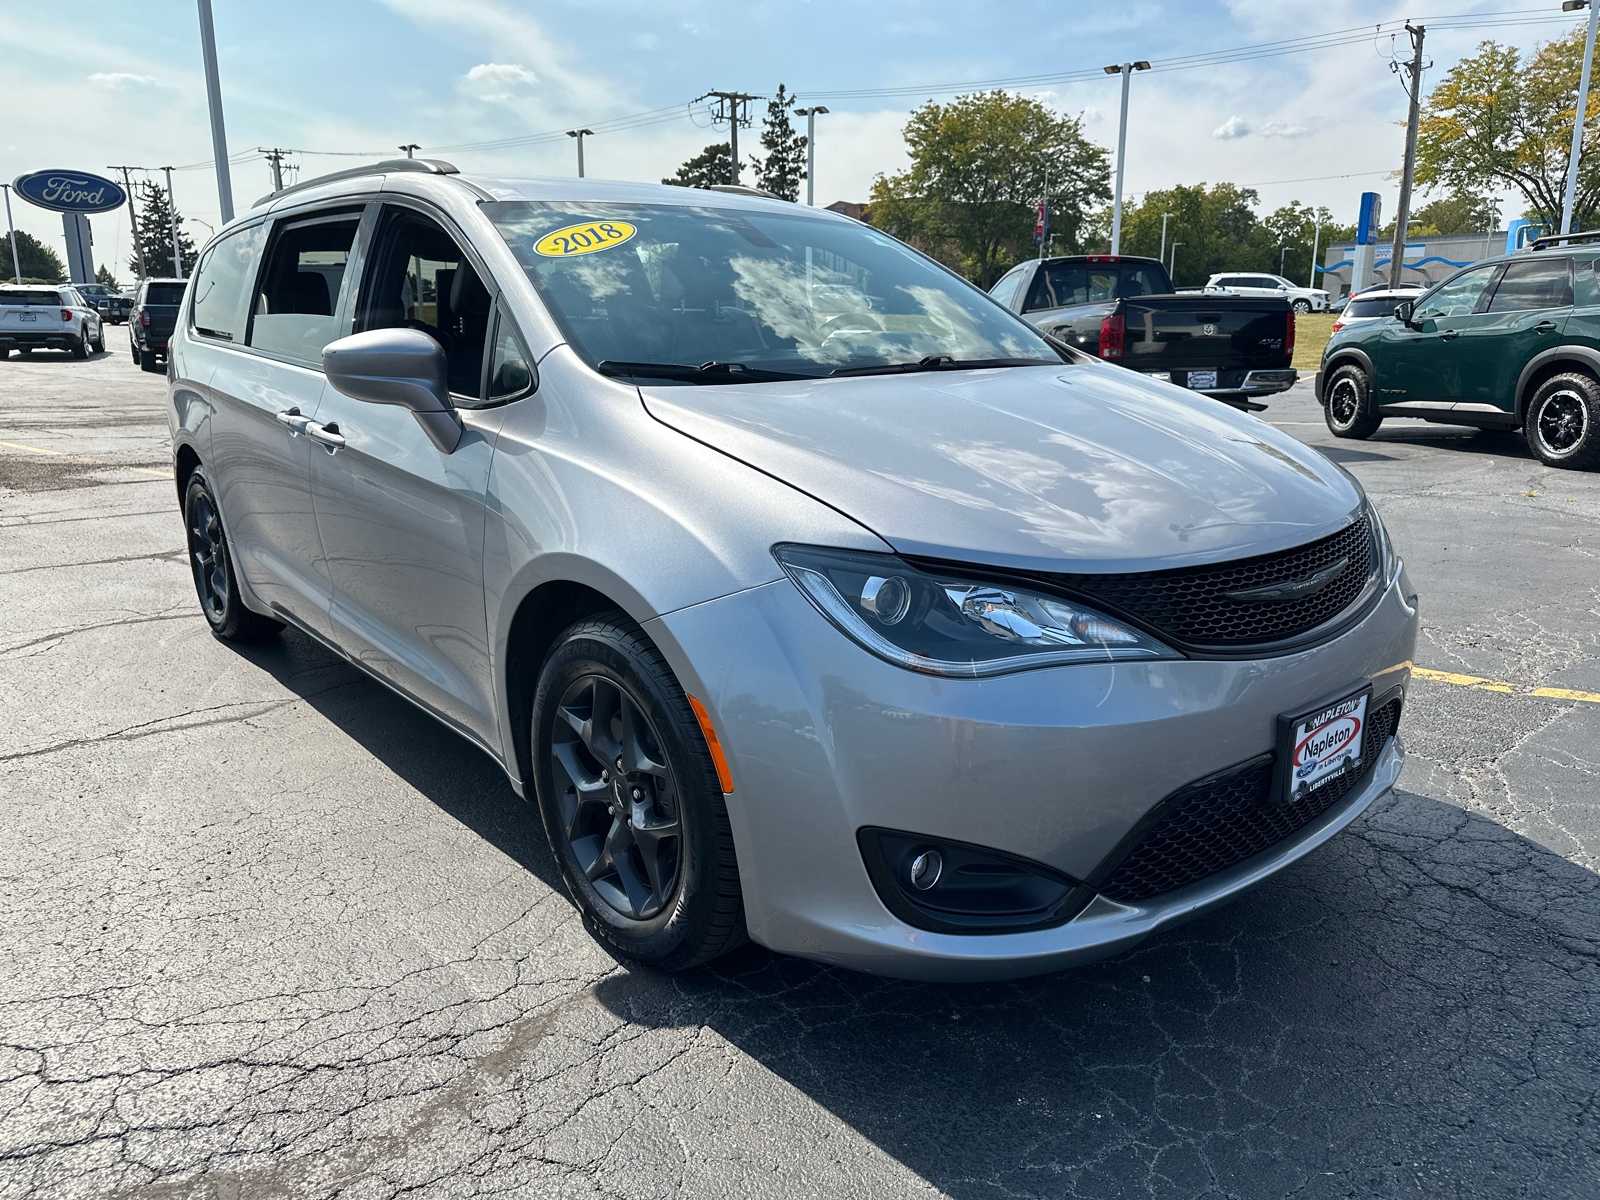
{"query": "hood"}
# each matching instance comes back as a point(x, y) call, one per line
point(1076, 467)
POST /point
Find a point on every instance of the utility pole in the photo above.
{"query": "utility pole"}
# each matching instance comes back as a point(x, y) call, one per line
point(133, 217)
point(734, 108)
point(16, 262)
point(409, 147)
point(1583, 111)
point(1413, 69)
point(172, 220)
point(580, 134)
point(1316, 244)
point(1162, 256)
point(219, 137)
point(810, 114)
point(1126, 70)
point(275, 157)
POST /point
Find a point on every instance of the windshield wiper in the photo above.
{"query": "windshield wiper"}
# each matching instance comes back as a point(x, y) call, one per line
point(943, 362)
point(710, 372)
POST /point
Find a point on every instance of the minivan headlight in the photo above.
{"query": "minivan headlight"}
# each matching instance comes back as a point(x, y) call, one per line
point(941, 623)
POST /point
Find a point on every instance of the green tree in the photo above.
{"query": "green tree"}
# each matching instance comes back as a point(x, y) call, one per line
point(1498, 118)
point(102, 274)
point(155, 234)
point(713, 165)
point(1459, 212)
point(1301, 228)
point(1216, 225)
point(784, 168)
point(40, 264)
point(978, 166)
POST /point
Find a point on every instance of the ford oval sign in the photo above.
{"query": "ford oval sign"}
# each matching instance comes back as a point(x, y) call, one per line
point(70, 191)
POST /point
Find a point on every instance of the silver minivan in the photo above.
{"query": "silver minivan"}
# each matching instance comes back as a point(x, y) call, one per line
point(807, 594)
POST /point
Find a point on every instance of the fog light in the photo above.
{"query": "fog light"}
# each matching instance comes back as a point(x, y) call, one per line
point(925, 869)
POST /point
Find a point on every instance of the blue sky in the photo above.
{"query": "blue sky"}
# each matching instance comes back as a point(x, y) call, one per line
point(361, 76)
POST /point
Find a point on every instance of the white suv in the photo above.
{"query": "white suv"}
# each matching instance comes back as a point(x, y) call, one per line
point(40, 317)
point(1300, 299)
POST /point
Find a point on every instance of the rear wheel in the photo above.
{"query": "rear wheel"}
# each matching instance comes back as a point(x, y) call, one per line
point(149, 362)
point(212, 566)
point(631, 801)
point(133, 351)
point(1563, 422)
point(1349, 404)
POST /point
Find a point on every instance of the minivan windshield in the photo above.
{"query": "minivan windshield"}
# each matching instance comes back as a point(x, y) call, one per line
point(776, 294)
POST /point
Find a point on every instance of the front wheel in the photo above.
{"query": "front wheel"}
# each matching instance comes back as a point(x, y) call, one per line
point(1301, 306)
point(1348, 410)
point(212, 566)
point(100, 340)
point(80, 344)
point(1563, 422)
point(631, 801)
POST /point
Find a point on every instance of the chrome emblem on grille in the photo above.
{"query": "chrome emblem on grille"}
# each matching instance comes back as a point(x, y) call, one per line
point(1294, 589)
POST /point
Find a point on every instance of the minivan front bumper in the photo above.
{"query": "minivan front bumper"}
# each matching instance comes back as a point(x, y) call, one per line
point(1054, 766)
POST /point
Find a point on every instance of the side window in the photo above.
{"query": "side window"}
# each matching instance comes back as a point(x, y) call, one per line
point(1456, 297)
point(420, 279)
point(222, 286)
point(511, 373)
point(298, 294)
point(1534, 284)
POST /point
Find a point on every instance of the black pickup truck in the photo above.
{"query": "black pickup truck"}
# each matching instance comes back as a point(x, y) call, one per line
point(154, 316)
point(1123, 309)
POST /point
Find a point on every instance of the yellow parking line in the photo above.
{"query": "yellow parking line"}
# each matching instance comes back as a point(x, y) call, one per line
point(1495, 685)
point(99, 462)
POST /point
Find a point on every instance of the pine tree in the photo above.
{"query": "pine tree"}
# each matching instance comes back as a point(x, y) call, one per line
point(155, 234)
point(40, 264)
point(713, 165)
point(784, 168)
point(102, 274)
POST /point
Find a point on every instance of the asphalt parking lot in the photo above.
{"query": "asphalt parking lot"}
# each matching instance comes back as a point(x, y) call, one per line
point(270, 932)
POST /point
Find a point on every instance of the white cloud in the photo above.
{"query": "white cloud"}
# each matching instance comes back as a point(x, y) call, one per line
point(1283, 129)
point(118, 80)
point(1233, 127)
point(498, 83)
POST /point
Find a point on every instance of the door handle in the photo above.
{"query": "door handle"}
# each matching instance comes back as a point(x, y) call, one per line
point(296, 423)
point(1449, 335)
point(1544, 326)
point(328, 435)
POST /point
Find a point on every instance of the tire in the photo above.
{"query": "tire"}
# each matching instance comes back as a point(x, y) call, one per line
point(1563, 422)
point(149, 362)
point(5, 353)
point(80, 344)
point(1347, 404)
point(133, 351)
point(211, 564)
point(100, 340)
point(1301, 306)
point(670, 900)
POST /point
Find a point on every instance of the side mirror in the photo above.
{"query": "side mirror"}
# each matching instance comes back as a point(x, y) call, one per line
point(1403, 311)
point(404, 367)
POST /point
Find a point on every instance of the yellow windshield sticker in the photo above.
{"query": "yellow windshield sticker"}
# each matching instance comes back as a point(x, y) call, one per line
point(584, 239)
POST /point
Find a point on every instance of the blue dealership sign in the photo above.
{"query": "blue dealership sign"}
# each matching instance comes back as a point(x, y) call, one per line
point(70, 191)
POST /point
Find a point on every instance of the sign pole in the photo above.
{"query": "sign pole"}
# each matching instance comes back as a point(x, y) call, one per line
point(16, 262)
point(219, 136)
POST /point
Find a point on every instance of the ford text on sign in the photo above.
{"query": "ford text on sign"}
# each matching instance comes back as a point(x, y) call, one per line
point(70, 191)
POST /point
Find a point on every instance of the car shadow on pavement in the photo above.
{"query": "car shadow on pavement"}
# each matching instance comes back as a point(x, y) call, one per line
point(1410, 1011)
point(1507, 443)
point(450, 771)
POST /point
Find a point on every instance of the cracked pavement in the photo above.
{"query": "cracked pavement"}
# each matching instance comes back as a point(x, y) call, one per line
point(271, 932)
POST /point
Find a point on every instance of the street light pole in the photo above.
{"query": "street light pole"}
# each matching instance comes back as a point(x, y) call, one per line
point(1163, 255)
point(810, 114)
point(219, 136)
point(1281, 253)
point(1316, 244)
point(1583, 110)
point(579, 134)
point(1173, 266)
point(1126, 70)
point(16, 262)
point(172, 220)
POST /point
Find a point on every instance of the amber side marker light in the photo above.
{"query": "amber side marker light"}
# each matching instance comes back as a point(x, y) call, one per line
point(724, 776)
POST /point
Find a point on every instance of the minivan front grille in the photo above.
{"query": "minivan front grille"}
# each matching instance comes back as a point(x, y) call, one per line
point(1212, 824)
point(1191, 605)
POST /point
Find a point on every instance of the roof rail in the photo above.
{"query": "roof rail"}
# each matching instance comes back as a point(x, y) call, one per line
point(738, 189)
point(430, 166)
point(1555, 239)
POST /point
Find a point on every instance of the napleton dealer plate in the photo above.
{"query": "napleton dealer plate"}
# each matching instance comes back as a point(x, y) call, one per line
point(1322, 745)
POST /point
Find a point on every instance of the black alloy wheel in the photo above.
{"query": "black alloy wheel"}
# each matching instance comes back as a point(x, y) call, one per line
point(631, 800)
point(1346, 404)
point(212, 567)
point(1563, 422)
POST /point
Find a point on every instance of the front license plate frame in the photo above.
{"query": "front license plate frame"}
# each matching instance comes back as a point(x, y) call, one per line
point(1305, 765)
point(1199, 380)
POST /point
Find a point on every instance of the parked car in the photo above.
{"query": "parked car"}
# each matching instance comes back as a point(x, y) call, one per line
point(1372, 305)
point(48, 317)
point(109, 302)
point(804, 591)
point(154, 311)
point(1301, 299)
point(1123, 310)
point(1509, 343)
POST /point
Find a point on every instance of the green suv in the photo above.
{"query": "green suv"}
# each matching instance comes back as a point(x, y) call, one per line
point(1512, 343)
